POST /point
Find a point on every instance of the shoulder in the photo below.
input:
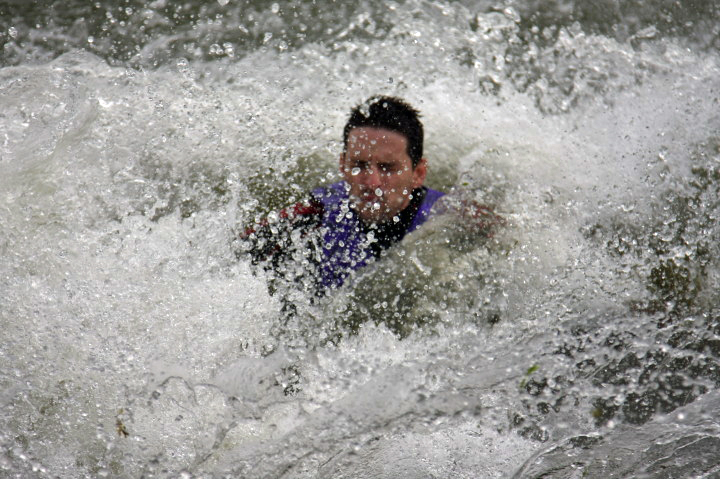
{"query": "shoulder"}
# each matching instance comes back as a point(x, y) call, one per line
point(330, 194)
point(431, 196)
point(472, 215)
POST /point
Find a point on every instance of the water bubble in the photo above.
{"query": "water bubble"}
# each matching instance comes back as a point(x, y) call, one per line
point(378, 192)
point(12, 31)
point(275, 8)
point(355, 171)
point(512, 14)
point(223, 2)
point(649, 32)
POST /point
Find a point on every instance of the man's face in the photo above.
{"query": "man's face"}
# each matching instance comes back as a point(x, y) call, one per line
point(380, 173)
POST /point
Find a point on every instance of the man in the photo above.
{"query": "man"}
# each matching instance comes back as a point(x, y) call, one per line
point(345, 226)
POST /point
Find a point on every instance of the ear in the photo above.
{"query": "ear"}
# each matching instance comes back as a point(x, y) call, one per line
point(341, 163)
point(419, 173)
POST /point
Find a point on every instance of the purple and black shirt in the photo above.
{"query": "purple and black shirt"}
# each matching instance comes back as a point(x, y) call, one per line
point(326, 236)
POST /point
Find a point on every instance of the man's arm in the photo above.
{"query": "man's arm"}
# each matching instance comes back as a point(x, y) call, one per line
point(480, 218)
point(272, 237)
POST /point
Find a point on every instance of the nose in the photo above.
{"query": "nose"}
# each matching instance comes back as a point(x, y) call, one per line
point(371, 177)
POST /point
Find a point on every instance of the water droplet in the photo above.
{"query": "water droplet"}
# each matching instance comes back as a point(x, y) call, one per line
point(12, 31)
point(275, 8)
point(512, 14)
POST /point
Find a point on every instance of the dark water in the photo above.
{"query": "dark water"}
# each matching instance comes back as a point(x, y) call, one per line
point(154, 33)
point(583, 340)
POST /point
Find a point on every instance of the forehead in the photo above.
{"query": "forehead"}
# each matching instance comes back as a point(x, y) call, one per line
point(376, 140)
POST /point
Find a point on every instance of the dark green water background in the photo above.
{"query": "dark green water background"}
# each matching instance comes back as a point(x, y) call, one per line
point(154, 32)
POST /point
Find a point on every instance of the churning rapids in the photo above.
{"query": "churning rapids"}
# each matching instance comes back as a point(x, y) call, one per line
point(583, 340)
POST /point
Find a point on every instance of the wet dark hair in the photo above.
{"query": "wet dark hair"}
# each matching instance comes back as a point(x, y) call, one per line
point(392, 114)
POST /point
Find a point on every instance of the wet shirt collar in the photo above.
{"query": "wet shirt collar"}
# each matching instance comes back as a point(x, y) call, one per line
point(388, 233)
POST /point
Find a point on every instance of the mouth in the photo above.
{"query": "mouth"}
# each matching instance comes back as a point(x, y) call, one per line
point(373, 196)
point(370, 202)
point(369, 205)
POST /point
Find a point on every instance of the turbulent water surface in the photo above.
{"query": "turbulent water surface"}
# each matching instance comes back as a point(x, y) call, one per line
point(137, 139)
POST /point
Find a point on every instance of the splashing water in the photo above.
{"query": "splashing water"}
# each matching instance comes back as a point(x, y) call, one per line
point(581, 340)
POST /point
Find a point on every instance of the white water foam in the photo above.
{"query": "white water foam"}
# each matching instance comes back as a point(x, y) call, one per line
point(138, 344)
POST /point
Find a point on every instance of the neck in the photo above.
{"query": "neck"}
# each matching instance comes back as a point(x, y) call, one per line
point(389, 232)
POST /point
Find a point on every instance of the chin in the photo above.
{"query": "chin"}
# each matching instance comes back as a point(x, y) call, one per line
point(368, 215)
point(375, 217)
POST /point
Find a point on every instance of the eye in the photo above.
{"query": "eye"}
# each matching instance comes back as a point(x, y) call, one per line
point(358, 165)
